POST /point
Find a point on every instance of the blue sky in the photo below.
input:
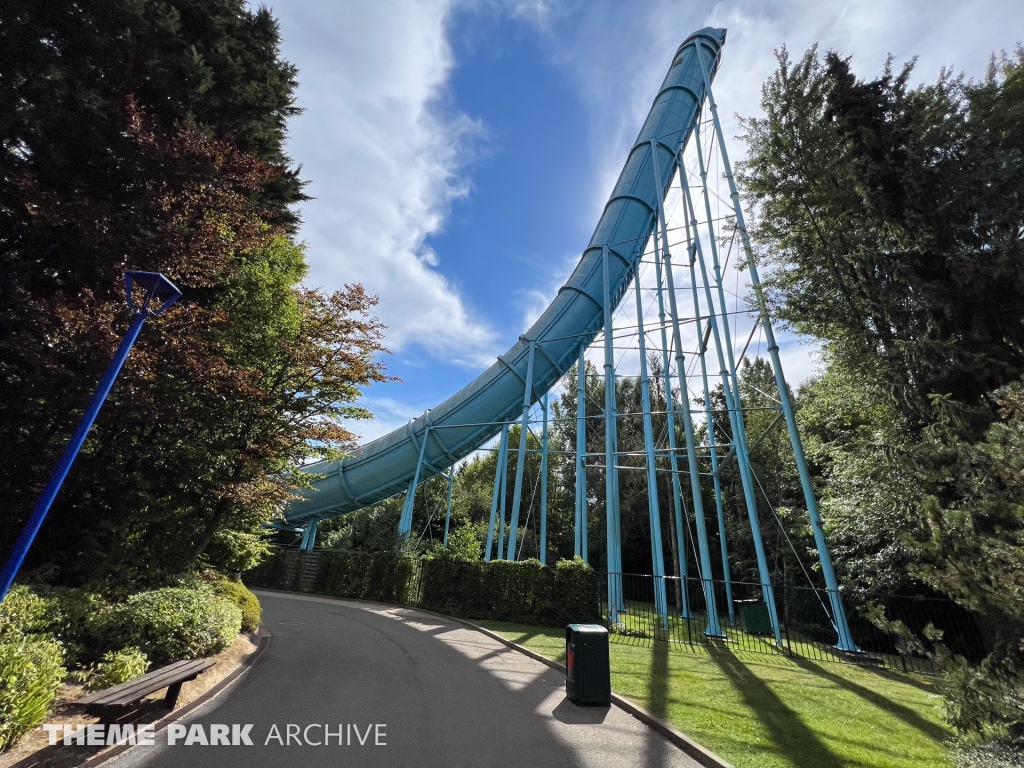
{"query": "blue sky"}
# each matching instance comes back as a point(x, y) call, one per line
point(460, 151)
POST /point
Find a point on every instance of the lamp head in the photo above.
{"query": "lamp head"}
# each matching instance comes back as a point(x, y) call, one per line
point(159, 292)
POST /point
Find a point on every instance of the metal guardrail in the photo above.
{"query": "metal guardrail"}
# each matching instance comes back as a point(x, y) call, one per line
point(806, 627)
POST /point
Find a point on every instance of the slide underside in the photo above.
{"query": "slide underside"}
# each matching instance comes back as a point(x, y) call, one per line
point(472, 416)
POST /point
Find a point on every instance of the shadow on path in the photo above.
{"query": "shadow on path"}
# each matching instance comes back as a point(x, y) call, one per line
point(789, 733)
point(659, 686)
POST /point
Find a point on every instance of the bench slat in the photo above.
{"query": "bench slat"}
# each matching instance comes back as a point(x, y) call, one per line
point(140, 687)
point(137, 689)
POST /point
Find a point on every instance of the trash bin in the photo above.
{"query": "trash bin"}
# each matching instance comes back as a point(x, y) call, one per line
point(588, 677)
point(754, 617)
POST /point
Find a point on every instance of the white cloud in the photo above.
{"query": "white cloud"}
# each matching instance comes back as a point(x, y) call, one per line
point(385, 153)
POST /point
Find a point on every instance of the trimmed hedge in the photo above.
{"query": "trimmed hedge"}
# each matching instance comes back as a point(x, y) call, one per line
point(386, 576)
point(390, 577)
point(523, 591)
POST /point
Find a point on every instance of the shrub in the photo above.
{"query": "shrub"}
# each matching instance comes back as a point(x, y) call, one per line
point(117, 667)
point(72, 617)
point(463, 544)
point(248, 603)
point(174, 623)
point(31, 670)
point(23, 611)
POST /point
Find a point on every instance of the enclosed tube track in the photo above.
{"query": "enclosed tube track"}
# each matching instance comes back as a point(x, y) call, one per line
point(469, 418)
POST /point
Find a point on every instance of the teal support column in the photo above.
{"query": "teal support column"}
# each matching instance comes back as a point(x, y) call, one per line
point(448, 510)
point(714, 628)
point(735, 408)
point(309, 535)
point(670, 421)
point(580, 538)
point(611, 486)
point(502, 444)
point(405, 521)
point(502, 500)
point(653, 509)
point(524, 431)
point(845, 640)
point(710, 416)
point(543, 546)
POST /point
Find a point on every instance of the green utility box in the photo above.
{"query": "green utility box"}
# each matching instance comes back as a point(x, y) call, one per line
point(754, 617)
point(588, 676)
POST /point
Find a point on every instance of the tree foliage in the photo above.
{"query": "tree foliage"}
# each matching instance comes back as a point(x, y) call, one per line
point(890, 217)
point(150, 136)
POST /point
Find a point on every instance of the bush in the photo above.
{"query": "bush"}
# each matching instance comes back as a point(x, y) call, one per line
point(174, 623)
point(73, 618)
point(247, 602)
point(23, 611)
point(117, 667)
point(463, 544)
point(31, 669)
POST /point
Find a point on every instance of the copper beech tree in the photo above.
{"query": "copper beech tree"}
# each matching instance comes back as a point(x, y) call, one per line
point(248, 376)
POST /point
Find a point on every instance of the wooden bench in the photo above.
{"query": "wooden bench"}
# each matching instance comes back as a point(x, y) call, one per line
point(170, 677)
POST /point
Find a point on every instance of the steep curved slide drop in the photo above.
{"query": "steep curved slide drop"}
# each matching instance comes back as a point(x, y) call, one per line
point(472, 416)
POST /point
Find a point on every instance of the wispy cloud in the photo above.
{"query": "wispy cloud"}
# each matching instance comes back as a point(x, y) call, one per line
point(389, 153)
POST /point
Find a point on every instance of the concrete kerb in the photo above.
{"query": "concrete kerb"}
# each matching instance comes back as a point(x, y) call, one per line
point(108, 756)
point(701, 754)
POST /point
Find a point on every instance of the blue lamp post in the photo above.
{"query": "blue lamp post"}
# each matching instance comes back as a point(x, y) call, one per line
point(157, 294)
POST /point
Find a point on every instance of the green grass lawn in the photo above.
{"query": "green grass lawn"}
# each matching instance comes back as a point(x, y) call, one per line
point(772, 711)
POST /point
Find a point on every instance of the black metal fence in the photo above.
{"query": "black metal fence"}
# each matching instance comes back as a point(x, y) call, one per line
point(890, 631)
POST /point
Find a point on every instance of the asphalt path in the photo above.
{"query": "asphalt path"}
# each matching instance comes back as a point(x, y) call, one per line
point(435, 692)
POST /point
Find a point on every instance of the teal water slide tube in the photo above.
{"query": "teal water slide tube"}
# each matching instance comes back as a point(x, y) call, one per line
point(428, 445)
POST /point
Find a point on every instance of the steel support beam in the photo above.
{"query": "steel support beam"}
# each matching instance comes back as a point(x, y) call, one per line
point(845, 640)
point(734, 405)
point(448, 510)
point(677, 491)
point(498, 466)
point(405, 521)
point(710, 416)
point(714, 628)
point(653, 509)
point(611, 472)
point(517, 491)
point(542, 547)
point(580, 537)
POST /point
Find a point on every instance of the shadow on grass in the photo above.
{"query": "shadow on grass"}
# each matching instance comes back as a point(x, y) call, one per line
point(901, 711)
point(791, 736)
point(926, 684)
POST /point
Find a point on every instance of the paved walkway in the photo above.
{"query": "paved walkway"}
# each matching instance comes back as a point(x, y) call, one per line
point(445, 695)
